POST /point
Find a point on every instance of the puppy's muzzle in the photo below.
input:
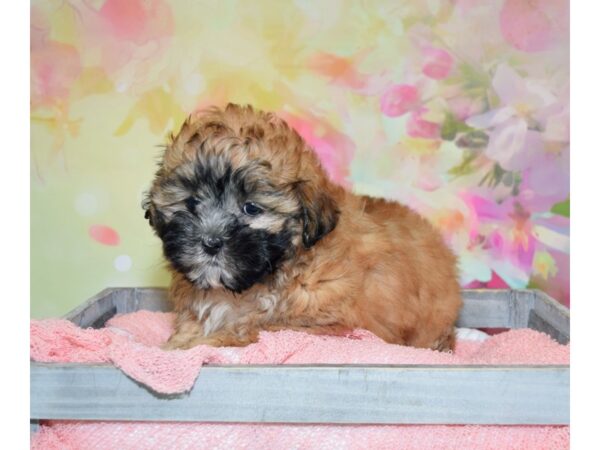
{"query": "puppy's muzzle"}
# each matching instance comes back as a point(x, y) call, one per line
point(212, 244)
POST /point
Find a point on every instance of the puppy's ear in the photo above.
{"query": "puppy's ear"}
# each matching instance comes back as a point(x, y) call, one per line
point(146, 205)
point(319, 211)
point(154, 217)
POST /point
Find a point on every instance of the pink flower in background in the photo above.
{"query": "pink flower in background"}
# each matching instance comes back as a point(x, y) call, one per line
point(501, 239)
point(438, 63)
point(495, 241)
point(399, 99)
point(104, 235)
point(51, 82)
point(522, 246)
point(138, 21)
point(125, 39)
point(418, 127)
point(506, 236)
point(483, 211)
point(534, 25)
point(463, 107)
point(335, 150)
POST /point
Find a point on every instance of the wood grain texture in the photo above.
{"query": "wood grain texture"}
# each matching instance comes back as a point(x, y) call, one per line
point(495, 308)
point(313, 394)
point(549, 316)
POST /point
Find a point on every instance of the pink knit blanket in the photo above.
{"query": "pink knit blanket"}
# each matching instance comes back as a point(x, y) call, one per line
point(130, 342)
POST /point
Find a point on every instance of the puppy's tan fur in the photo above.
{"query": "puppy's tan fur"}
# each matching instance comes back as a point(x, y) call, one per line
point(375, 264)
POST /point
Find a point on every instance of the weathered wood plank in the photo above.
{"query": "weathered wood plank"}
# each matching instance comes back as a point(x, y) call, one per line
point(482, 308)
point(489, 308)
point(111, 301)
point(549, 316)
point(313, 394)
point(95, 311)
point(153, 299)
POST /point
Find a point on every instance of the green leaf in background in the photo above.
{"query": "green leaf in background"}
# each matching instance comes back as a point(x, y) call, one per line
point(474, 78)
point(533, 284)
point(562, 208)
point(452, 126)
point(475, 139)
point(466, 166)
point(518, 178)
point(493, 177)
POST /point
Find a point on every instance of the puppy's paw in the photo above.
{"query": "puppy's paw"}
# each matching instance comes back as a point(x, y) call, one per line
point(181, 342)
point(219, 340)
point(175, 345)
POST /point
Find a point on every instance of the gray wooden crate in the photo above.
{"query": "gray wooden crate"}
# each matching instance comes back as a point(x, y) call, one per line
point(342, 394)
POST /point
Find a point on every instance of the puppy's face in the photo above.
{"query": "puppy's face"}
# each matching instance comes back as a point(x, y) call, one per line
point(223, 226)
point(227, 218)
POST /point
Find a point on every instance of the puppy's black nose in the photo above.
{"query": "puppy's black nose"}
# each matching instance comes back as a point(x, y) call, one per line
point(212, 244)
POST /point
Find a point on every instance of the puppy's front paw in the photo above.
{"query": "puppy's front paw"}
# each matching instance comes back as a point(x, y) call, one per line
point(184, 341)
point(181, 342)
point(171, 345)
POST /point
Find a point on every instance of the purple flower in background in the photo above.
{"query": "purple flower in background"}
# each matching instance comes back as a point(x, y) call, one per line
point(512, 142)
point(528, 133)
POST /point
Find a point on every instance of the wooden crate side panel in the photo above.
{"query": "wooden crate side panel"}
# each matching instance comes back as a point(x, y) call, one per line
point(153, 299)
point(482, 309)
point(95, 311)
point(549, 316)
point(313, 394)
point(111, 301)
point(495, 308)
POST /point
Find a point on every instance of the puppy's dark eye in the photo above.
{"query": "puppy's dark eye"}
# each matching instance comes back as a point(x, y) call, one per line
point(252, 209)
point(191, 203)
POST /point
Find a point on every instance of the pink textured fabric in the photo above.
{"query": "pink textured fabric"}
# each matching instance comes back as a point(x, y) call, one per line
point(130, 342)
point(181, 436)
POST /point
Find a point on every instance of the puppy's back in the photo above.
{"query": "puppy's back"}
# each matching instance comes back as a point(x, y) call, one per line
point(410, 293)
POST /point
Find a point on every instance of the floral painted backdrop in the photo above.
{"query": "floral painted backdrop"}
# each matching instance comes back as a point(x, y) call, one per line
point(459, 109)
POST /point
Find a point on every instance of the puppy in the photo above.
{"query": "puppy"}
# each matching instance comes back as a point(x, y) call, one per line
point(258, 238)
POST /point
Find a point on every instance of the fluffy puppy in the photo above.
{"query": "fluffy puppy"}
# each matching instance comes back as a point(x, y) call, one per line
point(258, 238)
